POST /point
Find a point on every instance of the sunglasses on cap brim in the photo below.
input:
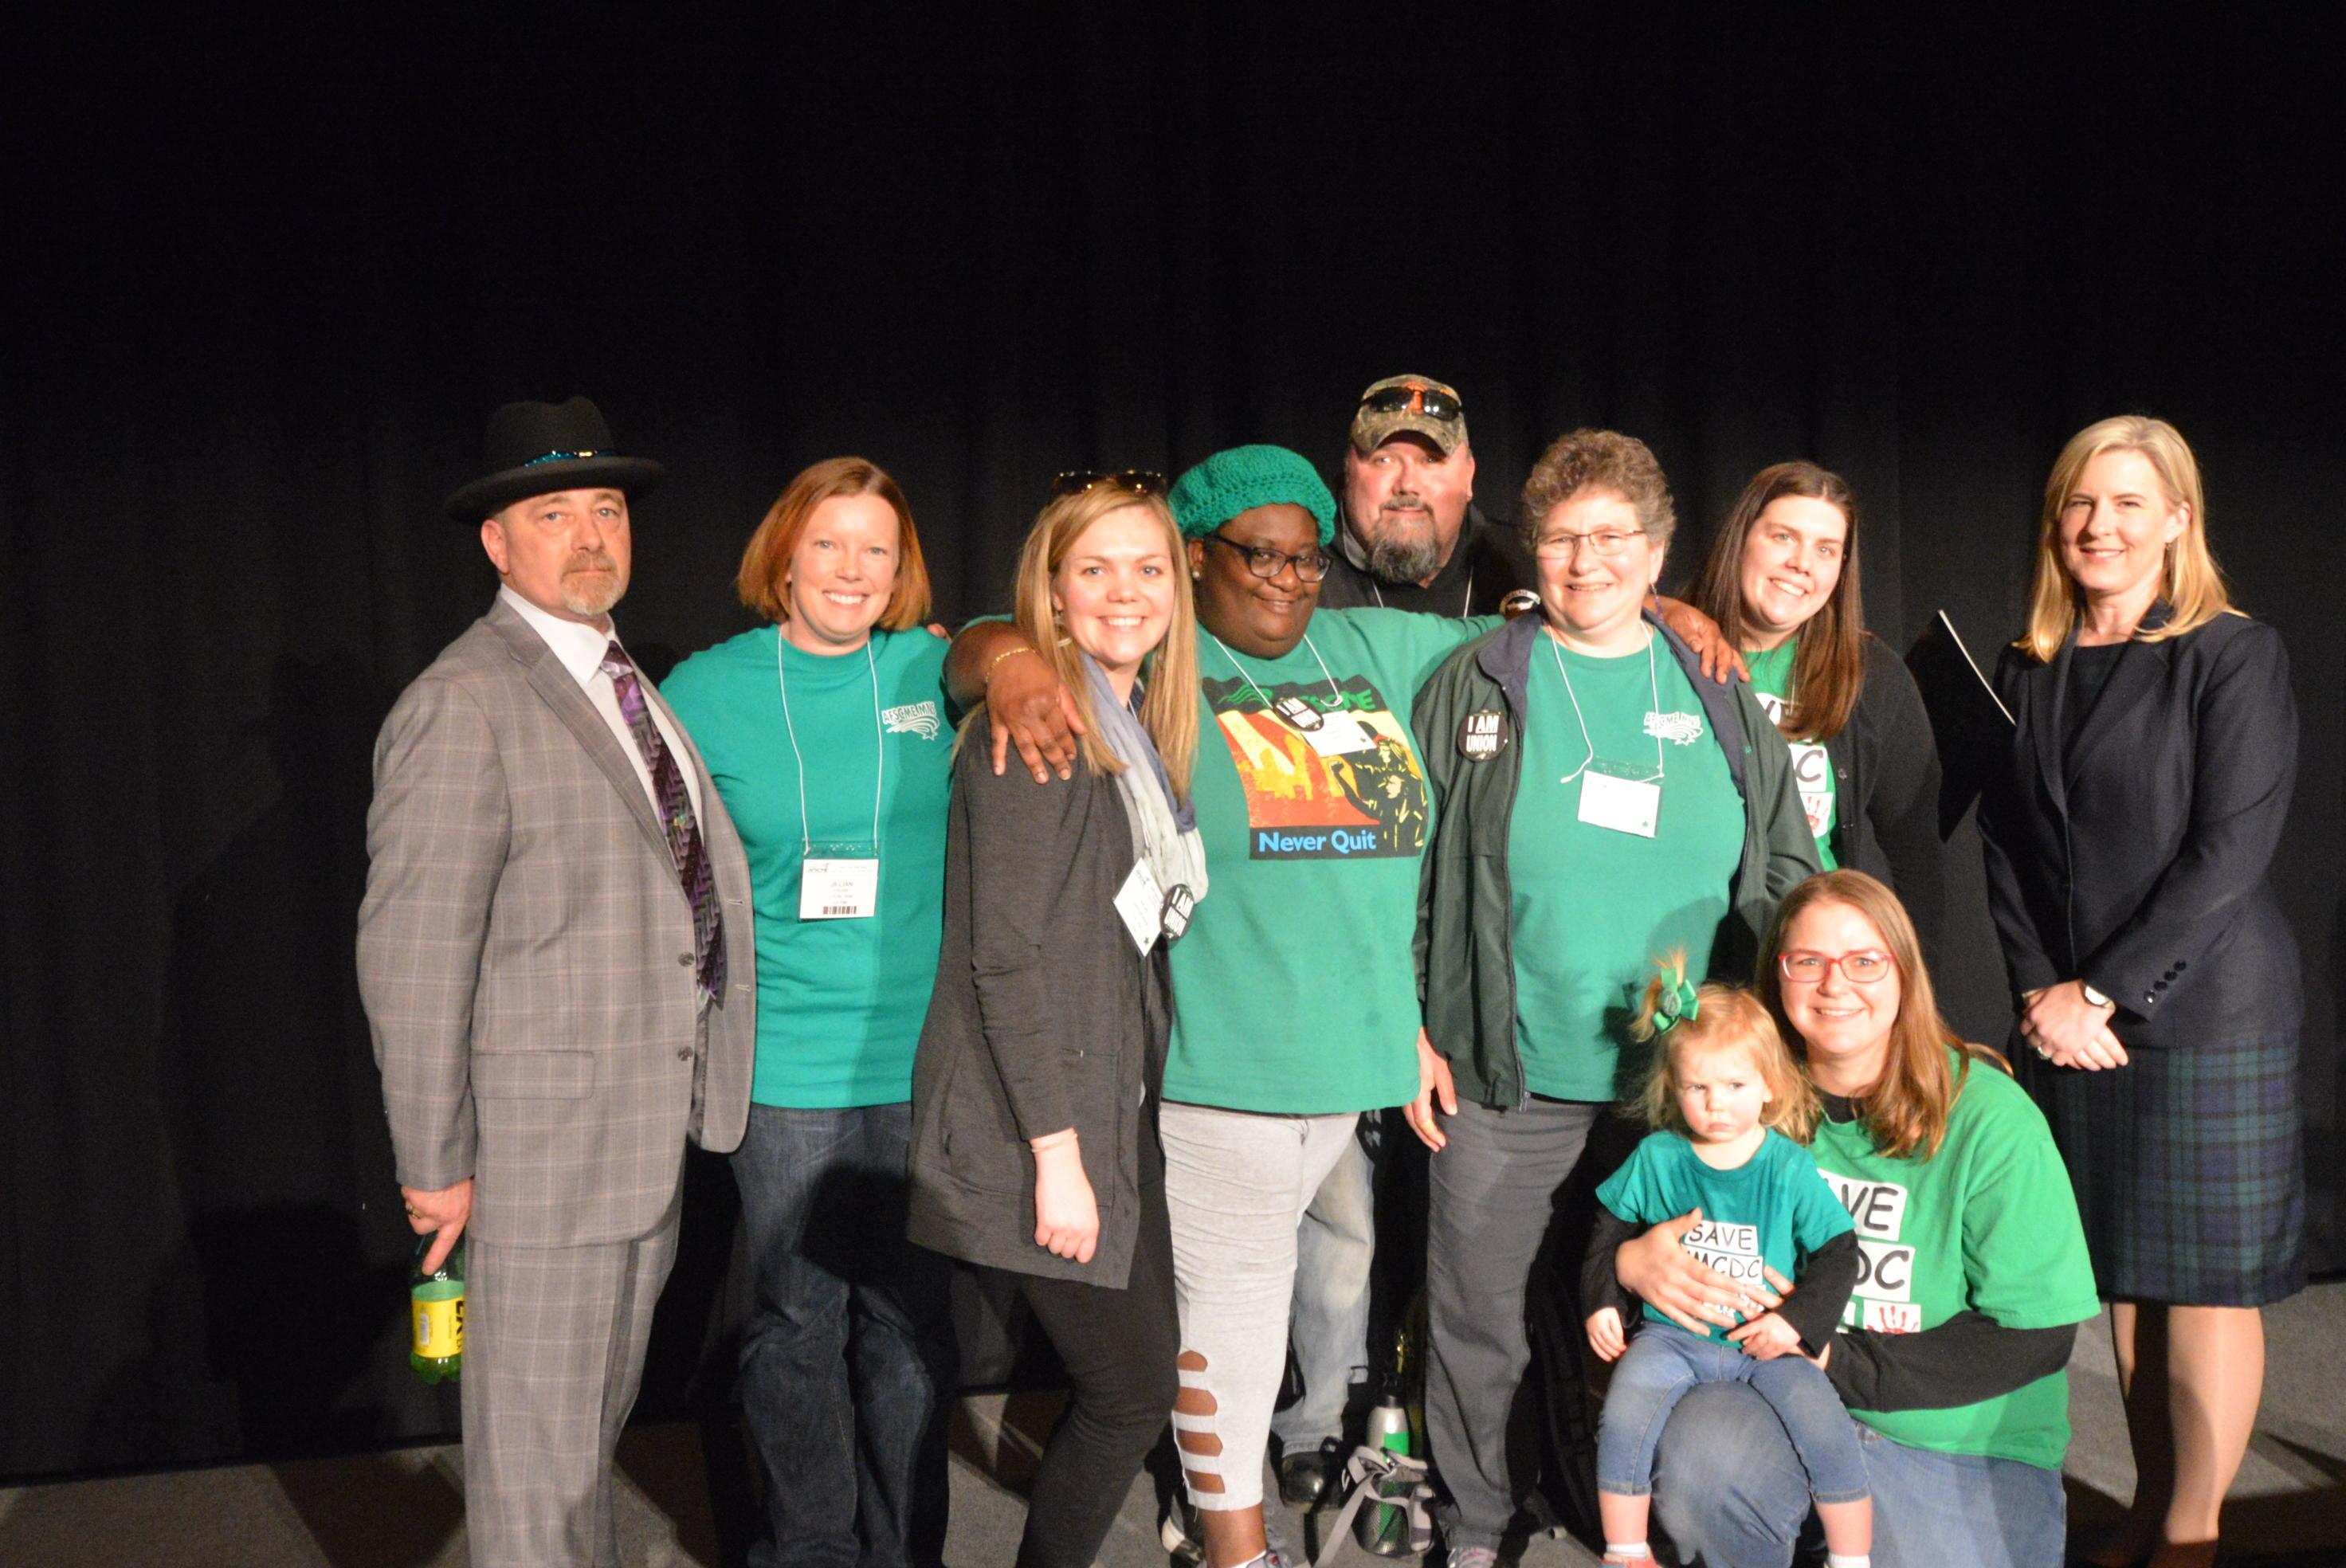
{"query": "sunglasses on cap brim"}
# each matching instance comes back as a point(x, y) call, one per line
point(1427, 400)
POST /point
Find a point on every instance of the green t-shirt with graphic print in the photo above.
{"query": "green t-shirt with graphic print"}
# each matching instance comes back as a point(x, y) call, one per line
point(1812, 771)
point(1593, 905)
point(1295, 990)
point(1989, 1223)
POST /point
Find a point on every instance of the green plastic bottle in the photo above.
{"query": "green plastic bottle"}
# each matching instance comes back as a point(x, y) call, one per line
point(435, 1316)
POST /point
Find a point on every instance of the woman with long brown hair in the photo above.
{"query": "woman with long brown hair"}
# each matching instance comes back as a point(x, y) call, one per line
point(2157, 981)
point(1781, 580)
point(1951, 1355)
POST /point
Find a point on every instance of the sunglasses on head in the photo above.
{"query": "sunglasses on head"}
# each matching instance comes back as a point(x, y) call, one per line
point(1139, 481)
point(1414, 399)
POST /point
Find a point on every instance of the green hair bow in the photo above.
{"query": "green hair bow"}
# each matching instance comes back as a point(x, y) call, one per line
point(1678, 1003)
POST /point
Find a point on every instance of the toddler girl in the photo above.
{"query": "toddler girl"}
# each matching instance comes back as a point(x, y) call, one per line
point(1721, 1086)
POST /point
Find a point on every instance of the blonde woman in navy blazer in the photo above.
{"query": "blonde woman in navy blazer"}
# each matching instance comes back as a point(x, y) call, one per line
point(2157, 981)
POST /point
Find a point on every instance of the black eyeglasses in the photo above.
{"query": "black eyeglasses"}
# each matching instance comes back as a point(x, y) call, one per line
point(1410, 398)
point(1265, 562)
point(1139, 481)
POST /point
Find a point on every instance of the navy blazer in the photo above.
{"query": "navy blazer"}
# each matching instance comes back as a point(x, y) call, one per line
point(2136, 859)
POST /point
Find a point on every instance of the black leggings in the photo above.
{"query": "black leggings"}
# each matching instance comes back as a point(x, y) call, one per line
point(1119, 1348)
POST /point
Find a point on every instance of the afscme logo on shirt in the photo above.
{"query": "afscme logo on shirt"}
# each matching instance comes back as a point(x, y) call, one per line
point(1685, 728)
point(913, 718)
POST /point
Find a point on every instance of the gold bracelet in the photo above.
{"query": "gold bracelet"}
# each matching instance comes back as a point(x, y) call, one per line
point(987, 682)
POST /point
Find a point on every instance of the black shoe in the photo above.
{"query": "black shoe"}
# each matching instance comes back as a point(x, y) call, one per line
point(1308, 1477)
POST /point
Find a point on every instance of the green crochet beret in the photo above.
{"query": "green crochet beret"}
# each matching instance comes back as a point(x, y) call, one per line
point(1229, 481)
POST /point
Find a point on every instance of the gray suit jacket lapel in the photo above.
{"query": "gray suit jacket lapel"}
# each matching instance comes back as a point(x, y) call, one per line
point(553, 686)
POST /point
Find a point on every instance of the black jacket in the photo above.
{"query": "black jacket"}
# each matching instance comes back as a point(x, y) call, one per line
point(2137, 862)
point(1045, 1016)
point(1886, 793)
point(1489, 562)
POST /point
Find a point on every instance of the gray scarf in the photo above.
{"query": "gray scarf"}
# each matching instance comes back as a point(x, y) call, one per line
point(1165, 830)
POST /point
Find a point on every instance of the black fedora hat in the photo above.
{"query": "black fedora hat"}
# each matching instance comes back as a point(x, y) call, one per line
point(536, 448)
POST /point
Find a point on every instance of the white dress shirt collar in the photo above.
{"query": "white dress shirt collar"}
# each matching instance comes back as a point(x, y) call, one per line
point(579, 647)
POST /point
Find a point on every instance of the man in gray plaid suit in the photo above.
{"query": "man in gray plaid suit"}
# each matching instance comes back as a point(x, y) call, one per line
point(555, 956)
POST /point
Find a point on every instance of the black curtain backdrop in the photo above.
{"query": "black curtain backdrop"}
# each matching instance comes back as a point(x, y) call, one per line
point(273, 272)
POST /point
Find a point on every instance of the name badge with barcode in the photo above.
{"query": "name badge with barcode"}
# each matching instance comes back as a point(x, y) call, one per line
point(1624, 805)
point(1340, 735)
point(839, 889)
point(1142, 905)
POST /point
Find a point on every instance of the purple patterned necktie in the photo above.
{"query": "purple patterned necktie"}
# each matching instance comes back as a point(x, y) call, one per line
point(676, 815)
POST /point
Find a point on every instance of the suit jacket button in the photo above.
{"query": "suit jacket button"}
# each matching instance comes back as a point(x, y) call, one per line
point(684, 1054)
point(2148, 1000)
point(685, 959)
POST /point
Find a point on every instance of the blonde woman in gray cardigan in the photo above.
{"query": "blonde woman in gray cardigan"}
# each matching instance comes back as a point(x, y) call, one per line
point(1034, 1147)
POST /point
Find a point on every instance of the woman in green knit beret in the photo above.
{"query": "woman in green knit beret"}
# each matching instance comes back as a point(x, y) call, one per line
point(1297, 1010)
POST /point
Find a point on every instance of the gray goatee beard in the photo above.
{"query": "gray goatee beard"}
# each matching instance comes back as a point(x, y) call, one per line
point(593, 597)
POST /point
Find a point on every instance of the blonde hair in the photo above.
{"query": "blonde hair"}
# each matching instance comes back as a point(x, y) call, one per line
point(1725, 1019)
point(2190, 581)
point(1905, 1111)
point(766, 561)
point(1168, 707)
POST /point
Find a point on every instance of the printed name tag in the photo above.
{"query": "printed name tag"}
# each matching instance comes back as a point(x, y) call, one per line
point(1141, 902)
point(1340, 735)
point(839, 889)
point(1624, 805)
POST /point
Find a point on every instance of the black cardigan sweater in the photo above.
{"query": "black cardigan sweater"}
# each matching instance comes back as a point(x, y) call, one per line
point(1043, 1016)
point(1886, 793)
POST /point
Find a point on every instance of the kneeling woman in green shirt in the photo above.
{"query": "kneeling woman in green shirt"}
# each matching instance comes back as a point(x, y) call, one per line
point(1598, 800)
point(1951, 1354)
point(826, 734)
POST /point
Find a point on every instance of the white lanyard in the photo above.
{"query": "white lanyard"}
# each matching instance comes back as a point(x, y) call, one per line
point(1335, 733)
point(1259, 695)
point(833, 889)
point(1590, 746)
point(1465, 606)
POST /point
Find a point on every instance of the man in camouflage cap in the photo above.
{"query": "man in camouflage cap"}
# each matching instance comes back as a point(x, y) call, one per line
point(1412, 538)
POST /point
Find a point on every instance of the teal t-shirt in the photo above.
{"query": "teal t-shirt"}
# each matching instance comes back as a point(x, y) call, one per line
point(1989, 1223)
point(1594, 906)
point(839, 1001)
point(1774, 1209)
point(1812, 771)
point(1295, 987)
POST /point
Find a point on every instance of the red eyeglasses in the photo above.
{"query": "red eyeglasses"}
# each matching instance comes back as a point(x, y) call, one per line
point(1863, 967)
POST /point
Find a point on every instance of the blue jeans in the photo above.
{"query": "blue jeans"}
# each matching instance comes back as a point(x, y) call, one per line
point(1665, 1363)
point(1335, 1247)
point(1729, 1492)
point(847, 1367)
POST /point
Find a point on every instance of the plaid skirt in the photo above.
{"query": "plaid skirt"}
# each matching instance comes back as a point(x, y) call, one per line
point(2189, 1169)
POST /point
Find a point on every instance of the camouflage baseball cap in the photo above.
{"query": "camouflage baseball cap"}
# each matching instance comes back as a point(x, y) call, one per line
point(1418, 403)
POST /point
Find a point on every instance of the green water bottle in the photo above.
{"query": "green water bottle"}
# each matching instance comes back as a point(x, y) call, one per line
point(436, 1316)
point(1383, 1527)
